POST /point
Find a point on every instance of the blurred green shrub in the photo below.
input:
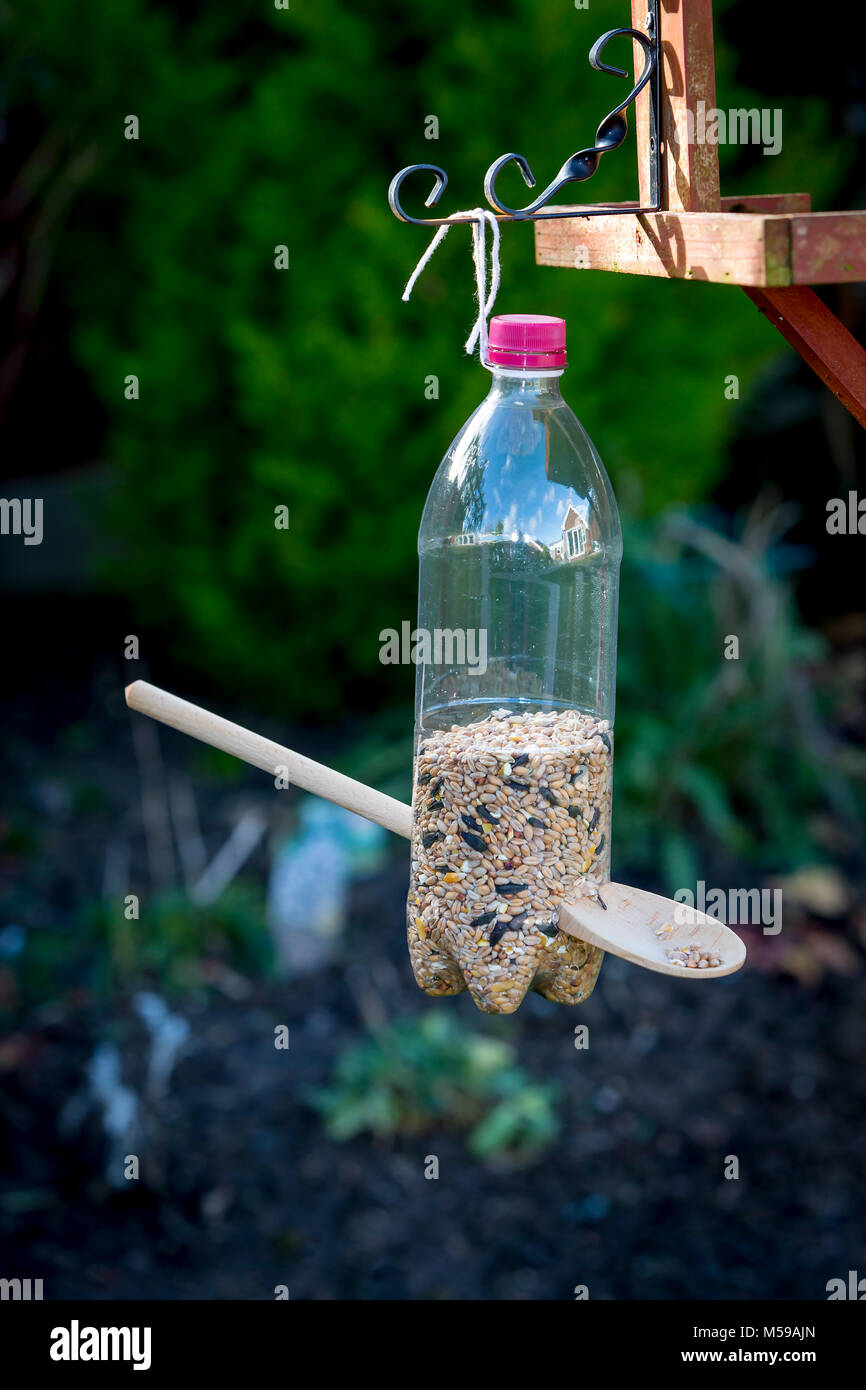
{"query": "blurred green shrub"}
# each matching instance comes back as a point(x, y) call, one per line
point(432, 1071)
point(262, 128)
point(178, 946)
point(724, 759)
point(179, 934)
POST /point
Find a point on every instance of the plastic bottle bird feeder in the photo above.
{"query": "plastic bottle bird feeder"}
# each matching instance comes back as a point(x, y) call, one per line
point(519, 548)
point(644, 928)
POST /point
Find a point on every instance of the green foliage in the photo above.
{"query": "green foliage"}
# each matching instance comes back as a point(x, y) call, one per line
point(716, 758)
point(432, 1071)
point(103, 952)
point(177, 935)
point(260, 128)
point(521, 1124)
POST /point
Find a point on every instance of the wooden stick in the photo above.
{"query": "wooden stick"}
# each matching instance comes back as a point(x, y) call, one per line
point(820, 339)
point(270, 757)
point(690, 170)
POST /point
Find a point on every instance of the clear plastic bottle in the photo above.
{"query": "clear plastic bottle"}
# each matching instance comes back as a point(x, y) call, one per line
point(520, 547)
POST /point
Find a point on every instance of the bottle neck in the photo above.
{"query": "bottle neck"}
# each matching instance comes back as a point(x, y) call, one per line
point(530, 385)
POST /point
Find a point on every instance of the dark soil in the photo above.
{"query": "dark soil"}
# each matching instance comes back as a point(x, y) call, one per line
point(246, 1192)
point(242, 1190)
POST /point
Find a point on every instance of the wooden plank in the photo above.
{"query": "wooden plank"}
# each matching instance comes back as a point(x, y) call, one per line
point(828, 248)
point(743, 248)
point(768, 202)
point(769, 240)
point(690, 179)
point(821, 340)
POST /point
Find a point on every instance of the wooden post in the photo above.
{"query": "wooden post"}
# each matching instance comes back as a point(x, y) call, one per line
point(821, 340)
point(690, 169)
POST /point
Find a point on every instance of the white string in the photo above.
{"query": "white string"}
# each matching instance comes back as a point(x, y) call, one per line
point(480, 218)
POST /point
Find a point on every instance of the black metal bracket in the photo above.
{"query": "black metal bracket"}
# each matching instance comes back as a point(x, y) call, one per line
point(581, 166)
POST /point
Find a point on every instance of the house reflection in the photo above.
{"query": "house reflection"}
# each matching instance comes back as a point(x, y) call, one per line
point(575, 538)
point(575, 542)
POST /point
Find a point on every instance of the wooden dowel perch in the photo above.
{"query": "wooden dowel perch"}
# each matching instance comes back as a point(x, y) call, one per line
point(270, 757)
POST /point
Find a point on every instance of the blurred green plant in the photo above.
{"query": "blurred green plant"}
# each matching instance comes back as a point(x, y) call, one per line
point(261, 128)
point(726, 752)
point(179, 934)
point(103, 952)
point(432, 1071)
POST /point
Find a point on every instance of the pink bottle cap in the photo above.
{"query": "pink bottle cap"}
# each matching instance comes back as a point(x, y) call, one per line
point(526, 340)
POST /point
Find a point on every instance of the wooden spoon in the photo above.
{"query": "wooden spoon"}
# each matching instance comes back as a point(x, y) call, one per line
point(639, 926)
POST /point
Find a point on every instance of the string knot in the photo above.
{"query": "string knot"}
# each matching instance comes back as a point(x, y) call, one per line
point(481, 219)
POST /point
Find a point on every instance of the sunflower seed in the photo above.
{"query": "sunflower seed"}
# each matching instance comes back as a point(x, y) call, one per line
point(474, 841)
point(483, 919)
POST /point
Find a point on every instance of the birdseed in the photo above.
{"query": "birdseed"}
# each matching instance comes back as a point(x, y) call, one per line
point(693, 957)
point(484, 901)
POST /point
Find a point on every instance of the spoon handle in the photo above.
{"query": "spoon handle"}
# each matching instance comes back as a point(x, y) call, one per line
point(270, 757)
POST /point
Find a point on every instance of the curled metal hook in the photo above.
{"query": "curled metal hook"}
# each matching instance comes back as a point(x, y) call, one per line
point(430, 202)
point(610, 133)
point(582, 165)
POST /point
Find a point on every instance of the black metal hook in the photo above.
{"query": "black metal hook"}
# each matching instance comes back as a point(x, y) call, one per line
point(610, 133)
point(429, 202)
